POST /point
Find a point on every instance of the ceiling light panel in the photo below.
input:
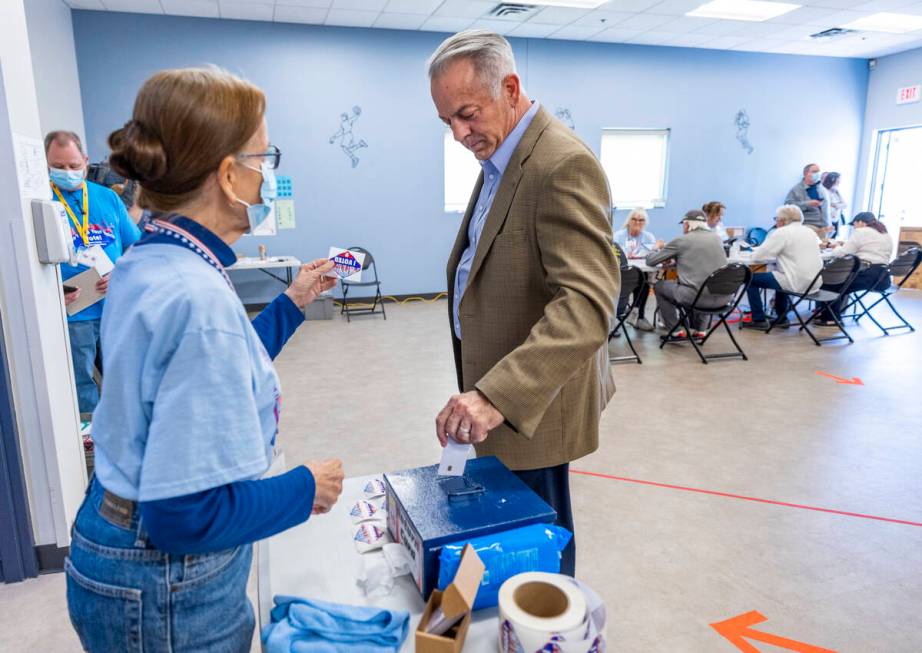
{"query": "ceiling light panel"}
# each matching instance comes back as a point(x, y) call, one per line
point(748, 10)
point(887, 22)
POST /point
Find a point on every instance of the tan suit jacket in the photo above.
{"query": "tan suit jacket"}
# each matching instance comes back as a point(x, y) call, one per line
point(536, 312)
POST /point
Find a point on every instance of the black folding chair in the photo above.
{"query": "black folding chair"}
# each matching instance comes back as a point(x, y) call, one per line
point(836, 272)
point(731, 281)
point(632, 281)
point(903, 266)
point(363, 308)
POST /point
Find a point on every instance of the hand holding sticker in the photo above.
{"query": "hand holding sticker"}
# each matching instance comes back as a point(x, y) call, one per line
point(347, 264)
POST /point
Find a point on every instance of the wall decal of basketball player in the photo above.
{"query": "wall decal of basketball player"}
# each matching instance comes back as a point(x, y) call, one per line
point(742, 130)
point(347, 142)
point(564, 116)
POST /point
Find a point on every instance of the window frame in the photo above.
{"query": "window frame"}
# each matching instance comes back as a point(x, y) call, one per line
point(653, 203)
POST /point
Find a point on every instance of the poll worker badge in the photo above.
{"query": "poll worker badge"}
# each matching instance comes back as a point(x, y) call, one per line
point(347, 265)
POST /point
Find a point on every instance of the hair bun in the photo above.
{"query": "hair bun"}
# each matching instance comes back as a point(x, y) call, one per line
point(137, 153)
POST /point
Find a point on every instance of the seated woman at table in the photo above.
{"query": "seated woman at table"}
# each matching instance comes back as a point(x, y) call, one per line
point(636, 242)
point(715, 212)
point(797, 250)
point(188, 420)
point(873, 246)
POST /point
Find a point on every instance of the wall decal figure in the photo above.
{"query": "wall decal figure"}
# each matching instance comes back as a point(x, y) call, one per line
point(347, 142)
point(742, 130)
point(564, 116)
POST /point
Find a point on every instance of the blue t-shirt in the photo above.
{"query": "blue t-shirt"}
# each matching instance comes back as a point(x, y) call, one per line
point(635, 246)
point(110, 226)
point(191, 400)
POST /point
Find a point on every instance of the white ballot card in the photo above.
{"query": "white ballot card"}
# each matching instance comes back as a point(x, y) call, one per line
point(96, 257)
point(347, 264)
point(454, 458)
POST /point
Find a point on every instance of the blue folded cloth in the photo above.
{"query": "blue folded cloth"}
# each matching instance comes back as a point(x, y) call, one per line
point(308, 626)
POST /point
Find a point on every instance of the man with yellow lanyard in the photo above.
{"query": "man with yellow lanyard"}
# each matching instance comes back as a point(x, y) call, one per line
point(97, 217)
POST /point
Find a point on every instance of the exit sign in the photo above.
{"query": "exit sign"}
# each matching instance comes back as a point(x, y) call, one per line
point(909, 94)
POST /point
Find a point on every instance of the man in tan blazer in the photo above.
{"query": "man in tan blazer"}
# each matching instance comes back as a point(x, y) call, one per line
point(532, 277)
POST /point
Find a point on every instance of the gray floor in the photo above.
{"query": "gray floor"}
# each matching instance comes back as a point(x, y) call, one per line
point(668, 562)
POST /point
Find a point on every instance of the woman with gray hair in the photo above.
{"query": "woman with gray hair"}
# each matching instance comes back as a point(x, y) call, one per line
point(797, 250)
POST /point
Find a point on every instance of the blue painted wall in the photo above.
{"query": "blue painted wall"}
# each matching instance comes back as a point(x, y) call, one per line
point(802, 109)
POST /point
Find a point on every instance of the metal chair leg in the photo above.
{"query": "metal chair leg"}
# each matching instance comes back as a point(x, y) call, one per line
point(732, 339)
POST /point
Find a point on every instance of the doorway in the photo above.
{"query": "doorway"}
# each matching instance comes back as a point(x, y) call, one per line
point(894, 182)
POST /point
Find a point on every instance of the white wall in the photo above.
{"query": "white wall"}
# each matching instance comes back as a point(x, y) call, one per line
point(54, 62)
point(34, 323)
point(882, 111)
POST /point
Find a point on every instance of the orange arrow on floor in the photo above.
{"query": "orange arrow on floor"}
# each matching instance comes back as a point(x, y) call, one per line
point(737, 629)
point(838, 379)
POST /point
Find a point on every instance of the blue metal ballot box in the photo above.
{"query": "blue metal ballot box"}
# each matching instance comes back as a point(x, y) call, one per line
point(425, 510)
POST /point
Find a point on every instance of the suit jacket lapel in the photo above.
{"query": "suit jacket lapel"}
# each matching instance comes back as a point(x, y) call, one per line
point(507, 187)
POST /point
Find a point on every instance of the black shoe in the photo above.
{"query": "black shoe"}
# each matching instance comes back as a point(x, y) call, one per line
point(825, 323)
point(758, 325)
point(782, 323)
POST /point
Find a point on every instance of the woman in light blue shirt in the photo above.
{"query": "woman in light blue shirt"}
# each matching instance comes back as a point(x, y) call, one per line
point(637, 242)
point(187, 422)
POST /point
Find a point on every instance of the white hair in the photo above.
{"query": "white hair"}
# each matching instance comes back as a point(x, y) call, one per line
point(640, 213)
point(694, 225)
point(789, 213)
point(490, 53)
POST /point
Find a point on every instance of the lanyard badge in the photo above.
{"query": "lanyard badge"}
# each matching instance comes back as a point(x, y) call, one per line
point(83, 230)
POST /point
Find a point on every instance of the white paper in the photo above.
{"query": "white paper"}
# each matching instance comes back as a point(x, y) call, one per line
point(96, 257)
point(454, 458)
point(348, 264)
point(31, 167)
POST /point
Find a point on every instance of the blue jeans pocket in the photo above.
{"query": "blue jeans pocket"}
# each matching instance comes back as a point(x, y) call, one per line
point(106, 617)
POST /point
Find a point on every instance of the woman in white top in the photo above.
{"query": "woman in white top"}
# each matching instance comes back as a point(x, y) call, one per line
point(797, 250)
point(873, 246)
point(837, 205)
point(715, 212)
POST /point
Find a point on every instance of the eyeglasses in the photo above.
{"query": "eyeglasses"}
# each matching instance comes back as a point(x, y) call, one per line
point(273, 157)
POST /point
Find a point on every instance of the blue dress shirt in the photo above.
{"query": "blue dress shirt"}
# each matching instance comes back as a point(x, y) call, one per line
point(493, 169)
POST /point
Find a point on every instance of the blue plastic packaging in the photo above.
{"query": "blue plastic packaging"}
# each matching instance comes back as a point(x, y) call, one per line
point(531, 548)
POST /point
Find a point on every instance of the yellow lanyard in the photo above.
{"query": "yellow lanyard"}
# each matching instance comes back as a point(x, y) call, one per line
point(84, 230)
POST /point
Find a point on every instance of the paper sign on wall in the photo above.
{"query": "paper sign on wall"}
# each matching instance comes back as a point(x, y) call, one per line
point(31, 167)
point(909, 94)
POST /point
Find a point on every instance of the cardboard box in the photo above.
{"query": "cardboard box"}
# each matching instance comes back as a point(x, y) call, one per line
point(421, 517)
point(456, 601)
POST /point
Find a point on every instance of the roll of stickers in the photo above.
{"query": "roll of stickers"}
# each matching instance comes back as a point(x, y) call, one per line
point(549, 612)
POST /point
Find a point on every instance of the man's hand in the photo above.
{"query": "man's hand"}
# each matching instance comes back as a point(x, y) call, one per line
point(814, 202)
point(71, 297)
point(467, 418)
point(660, 244)
point(102, 286)
point(310, 282)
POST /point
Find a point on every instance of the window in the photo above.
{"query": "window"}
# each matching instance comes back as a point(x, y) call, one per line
point(635, 161)
point(461, 171)
point(894, 178)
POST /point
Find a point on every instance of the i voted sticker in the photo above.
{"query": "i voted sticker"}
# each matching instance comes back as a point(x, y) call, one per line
point(363, 510)
point(369, 534)
point(347, 265)
point(374, 488)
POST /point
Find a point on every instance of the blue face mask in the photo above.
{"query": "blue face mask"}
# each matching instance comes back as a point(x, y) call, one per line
point(815, 178)
point(258, 213)
point(67, 179)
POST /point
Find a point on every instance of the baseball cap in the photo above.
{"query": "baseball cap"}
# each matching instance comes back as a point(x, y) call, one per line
point(695, 215)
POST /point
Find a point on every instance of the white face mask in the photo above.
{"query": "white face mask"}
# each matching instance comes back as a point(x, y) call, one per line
point(259, 213)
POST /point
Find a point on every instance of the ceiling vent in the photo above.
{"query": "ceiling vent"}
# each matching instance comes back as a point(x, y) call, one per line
point(832, 33)
point(512, 11)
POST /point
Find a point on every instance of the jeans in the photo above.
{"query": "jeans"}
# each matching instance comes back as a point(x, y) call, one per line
point(125, 595)
point(766, 280)
point(553, 485)
point(641, 302)
point(868, 278)
point(84, 350)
